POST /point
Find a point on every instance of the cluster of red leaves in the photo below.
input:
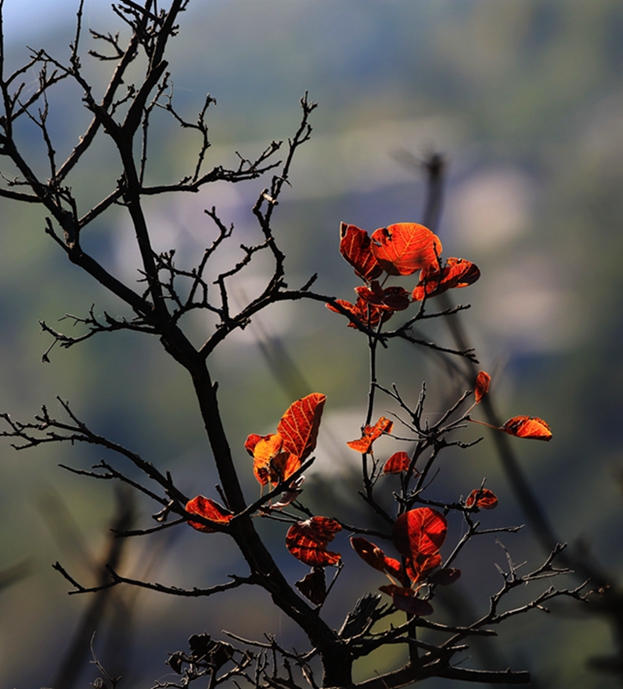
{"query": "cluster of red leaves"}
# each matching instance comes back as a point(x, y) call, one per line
point(399, 249)
point(417, 535)
point(277, 456)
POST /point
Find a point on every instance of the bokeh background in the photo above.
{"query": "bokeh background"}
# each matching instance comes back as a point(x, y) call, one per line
point(525, 100)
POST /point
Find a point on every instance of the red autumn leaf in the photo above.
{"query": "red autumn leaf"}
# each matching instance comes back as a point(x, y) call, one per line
point(419, 531)
point(391, 298)
point(482, 498)
point(299, 425)
point(406, 600)
point(418, 568)
point(308, 540)
point(457, 272)
point(483, 381)
point(369, 552)
point(283, 466)
point(397, 463)
point(313, 586)
point(356, 248)
point(367, 313)
point(527, 427)
point(445, 576)
point(370, 434)
point(209, 509)
point(405, 247)
point(376, 558)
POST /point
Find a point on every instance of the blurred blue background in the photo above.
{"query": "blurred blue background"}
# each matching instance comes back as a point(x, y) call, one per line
point(525, 101)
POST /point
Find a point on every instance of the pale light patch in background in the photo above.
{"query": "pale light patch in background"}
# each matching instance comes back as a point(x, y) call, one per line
point(360, 159)
point(526, 310)
point(491, 208)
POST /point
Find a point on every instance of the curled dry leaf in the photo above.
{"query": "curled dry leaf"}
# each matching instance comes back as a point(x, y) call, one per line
point(483, 381)
point(406, 600)
point(370, 434)
point(527, 427)
point(457, 272)
point(421, 531)
point(308, 540)
point(482, 498)
point(397, 463)
point(209, 509)
point(403, 248)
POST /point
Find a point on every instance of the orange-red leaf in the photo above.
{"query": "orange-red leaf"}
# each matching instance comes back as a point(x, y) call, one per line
point(252, 440)
point(397, 463)
point(370, 434)
point(209, 509)
point(356, 248)
point(421, 531)
point(482, 498)
point(527, 427)
point(406, 600)
point(483, 381)
point(457, 272)
point(405, 247)
point(393, 298)
point(369, 314)
point(308, 540)
point(265, 450)
point(299, 425)
point(376, 558)
point(418, 568)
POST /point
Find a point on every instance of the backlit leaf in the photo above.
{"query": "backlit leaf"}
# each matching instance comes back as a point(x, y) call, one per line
point(483, 381)
point(457, 272)
point(397, 463)
point(419, 567)
point(403, 248)
point(421, 531)
point(265, 450)
point(393, 298)
point(308, 540)
point(299, 425)
point(209, 509)
point(527, 427)
point(369, 314)
point(252, 440)
point(376, 558)
point(370, 434)
point(482, 498)
point(356, 248)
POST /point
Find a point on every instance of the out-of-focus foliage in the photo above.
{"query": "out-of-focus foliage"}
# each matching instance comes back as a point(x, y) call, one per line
point(525, 99)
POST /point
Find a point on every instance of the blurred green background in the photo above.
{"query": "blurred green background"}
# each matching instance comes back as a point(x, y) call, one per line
point(525, 101)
